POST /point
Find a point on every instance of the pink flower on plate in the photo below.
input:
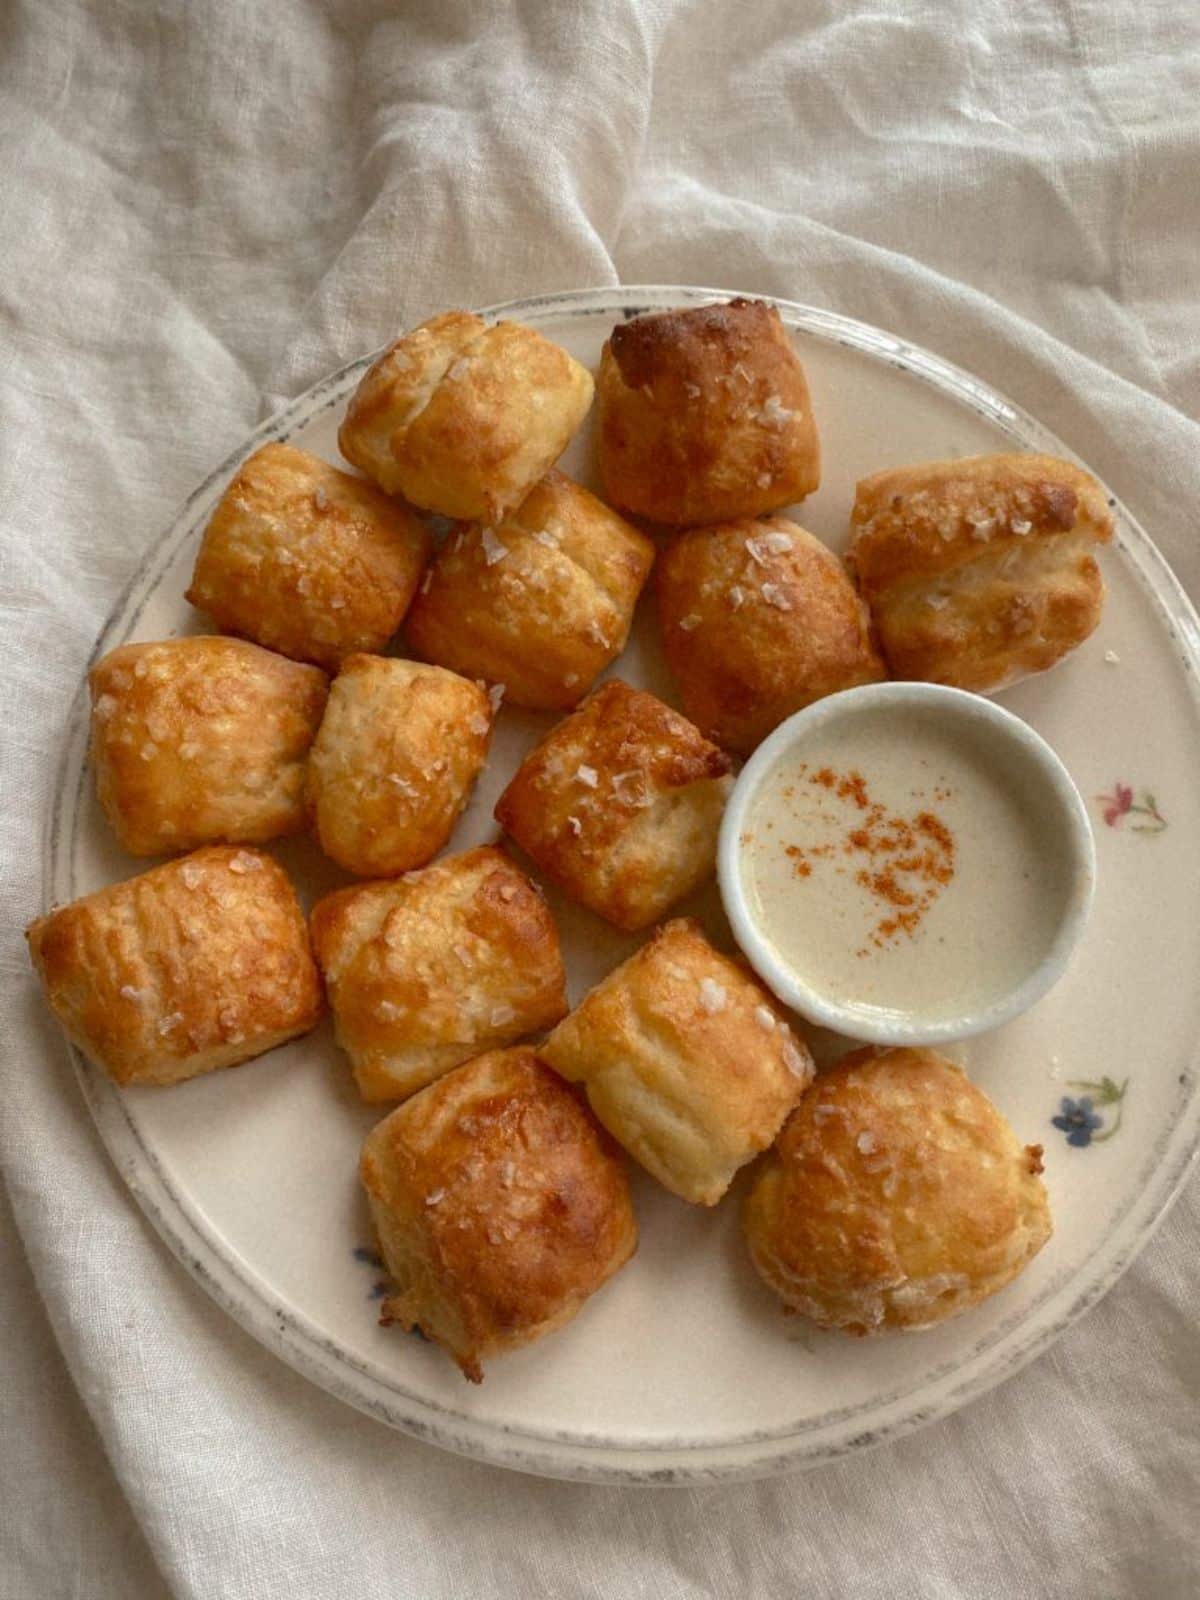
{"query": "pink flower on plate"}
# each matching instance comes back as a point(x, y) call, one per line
point(1121, 803)
point(1117, 804)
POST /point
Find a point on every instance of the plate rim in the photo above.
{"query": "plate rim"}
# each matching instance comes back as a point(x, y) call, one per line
point(288, 1334)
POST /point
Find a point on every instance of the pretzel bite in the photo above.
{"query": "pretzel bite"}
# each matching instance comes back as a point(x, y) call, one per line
point(897, 1196)
point(463, 418)
point(500, 1207)
point(308, 560)
point(427, 970)
point(195, 965)
point(542, 603)
point(620, 805)
point(397, 753)
point(200, 740)
point(704, 415)
point(759, 619)
point(981, 571)
point(686, 1061)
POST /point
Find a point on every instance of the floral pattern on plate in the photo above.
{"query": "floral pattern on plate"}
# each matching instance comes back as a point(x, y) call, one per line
point(1123, 802)
point(1079, 1119)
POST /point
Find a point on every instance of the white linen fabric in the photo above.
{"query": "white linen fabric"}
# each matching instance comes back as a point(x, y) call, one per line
point(204, 206)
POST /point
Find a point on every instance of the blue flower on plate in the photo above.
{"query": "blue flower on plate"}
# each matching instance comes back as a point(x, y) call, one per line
point(1078, 1120)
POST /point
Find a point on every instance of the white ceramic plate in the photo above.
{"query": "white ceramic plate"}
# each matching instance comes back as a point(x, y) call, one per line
point(683, 1368)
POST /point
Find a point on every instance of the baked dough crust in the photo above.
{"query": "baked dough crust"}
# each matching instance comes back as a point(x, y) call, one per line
point(194, 965)
point(620, 805)
point(500, 1207)
point(686, 1061)
point(393, 764)
point(428, 970)
point(542, 603)
point(759, 619)
point(981, 571)
point(202, 740)
point(463, 418)
point(704, 415)
point(897, 1196)
point(307, 560)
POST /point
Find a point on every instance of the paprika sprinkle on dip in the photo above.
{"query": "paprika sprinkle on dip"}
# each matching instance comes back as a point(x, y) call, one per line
point(904, 862)
point(897, 872)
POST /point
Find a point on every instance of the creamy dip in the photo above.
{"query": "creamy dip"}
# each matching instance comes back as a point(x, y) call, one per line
point(897, 866)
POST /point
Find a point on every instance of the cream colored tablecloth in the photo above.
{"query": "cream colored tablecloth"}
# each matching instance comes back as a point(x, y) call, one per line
point(203, 207)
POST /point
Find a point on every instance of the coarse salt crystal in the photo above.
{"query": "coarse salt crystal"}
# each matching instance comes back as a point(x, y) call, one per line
point(575, 825)
point(866, 1143)
point(244, 862)
point(1020, 526)
point(796, 1064)
point(775, 412)
point(737, 596)
point(479, 725)
point(692, 390)
point(494, 549)
point(764, 1017)
point(501, 1016)
point(427, 580)
point(508, 891)
point(106, 705)
point(128, 992)
point(191, 875)
point(548, 539)
point(756, 549)
point(588, 776)
point(388, 1010)
point(403, 784)
point(824, 1112)
point(597, 634)
point(496, 694)
point(690, 622)
point(141, 669)
point(938, 602)
point(435, 1197)
point(763, 480)
point(320, 498)
point(463, 954)
point(777, 597)
point(337, 603)
point(170, 1023)
point(776, 541)
point(1112, 657)
point(712, 996)
point(630, 789)
point(149, 751)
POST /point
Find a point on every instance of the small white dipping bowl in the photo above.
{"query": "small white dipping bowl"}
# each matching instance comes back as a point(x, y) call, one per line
point(1047, 797)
